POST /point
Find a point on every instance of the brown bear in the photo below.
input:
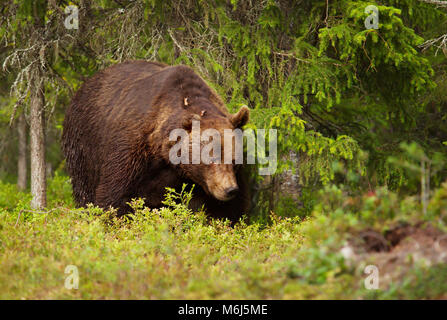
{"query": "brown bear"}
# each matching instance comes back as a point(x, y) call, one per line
point(116, 139)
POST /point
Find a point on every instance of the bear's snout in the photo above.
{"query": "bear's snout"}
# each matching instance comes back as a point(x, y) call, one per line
point(221, 182)
point(223, 193)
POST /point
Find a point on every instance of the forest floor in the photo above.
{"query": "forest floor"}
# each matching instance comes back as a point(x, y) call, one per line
point(172, 253)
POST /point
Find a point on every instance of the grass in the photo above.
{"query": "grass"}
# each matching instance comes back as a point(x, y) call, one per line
point(173, 253)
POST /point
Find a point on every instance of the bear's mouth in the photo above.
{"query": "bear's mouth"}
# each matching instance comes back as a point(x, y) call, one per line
point(222, 194)
point(224, 198)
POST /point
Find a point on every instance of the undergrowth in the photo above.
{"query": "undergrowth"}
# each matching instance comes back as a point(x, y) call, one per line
point(174, 253)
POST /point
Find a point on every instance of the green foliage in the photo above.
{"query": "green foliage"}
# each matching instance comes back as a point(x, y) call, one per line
point(421, 282)
point(172, 252)
point(11, 198)
point(376, 209)
point(415, 163)
point(60, 191)
point(317, 266)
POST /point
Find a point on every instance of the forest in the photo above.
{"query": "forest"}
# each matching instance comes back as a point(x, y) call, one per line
point(356, 209)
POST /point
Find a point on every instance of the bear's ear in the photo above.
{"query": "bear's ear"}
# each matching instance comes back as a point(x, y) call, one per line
point(240, 118)
point(188, 119)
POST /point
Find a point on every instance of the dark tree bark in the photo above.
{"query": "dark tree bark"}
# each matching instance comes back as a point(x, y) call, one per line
point(21, 163)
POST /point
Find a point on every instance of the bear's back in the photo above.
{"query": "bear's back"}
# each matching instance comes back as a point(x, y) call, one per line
point(117, 81)
point(129, 71)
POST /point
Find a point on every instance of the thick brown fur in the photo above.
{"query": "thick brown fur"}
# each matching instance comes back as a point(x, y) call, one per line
point(116, 137)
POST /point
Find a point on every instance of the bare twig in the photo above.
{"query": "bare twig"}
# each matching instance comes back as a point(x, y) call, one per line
point(439, 3)
point(439, 43)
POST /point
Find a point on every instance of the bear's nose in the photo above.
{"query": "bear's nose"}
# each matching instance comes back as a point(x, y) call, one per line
point(232, 191)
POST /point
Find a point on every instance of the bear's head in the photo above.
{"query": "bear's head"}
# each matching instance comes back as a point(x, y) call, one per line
point(209, 148)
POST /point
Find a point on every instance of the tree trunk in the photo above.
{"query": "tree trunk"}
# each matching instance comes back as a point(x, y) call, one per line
point(38, 174)
point(21, 163)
